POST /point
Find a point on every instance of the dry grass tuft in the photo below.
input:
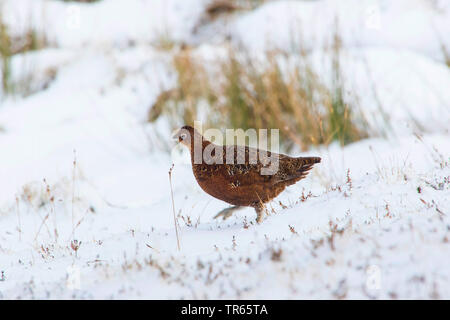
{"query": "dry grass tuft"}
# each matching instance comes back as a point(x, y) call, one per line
point(181, 104)
point(220, 7)
point(244, 94)
point(217, 8)
point(11, 45)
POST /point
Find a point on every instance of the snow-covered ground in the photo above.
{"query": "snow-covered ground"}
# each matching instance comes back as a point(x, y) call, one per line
point(85, 202)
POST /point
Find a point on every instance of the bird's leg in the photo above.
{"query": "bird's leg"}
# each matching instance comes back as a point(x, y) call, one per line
point(227, 212)
point(260, 209)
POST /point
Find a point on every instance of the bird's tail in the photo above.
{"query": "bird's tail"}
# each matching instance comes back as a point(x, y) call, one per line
point(304, 165)
point(310, 161)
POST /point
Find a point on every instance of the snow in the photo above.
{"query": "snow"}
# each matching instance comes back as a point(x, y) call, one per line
point(293, 25)
point(375, 224)
point(105, 23)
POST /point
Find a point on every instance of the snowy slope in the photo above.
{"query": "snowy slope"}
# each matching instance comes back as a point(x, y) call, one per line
point(416, 25)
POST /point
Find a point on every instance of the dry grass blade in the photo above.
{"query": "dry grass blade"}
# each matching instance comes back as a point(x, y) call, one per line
point(173, 208)
point(73, 189)
point(18, 219)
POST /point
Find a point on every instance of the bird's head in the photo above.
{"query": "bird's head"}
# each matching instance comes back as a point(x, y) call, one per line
point(186, 136)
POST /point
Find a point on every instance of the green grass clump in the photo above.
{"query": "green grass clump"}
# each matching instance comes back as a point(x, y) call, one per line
point(245, 95)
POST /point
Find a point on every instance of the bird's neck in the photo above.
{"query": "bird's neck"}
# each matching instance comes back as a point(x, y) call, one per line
point(196, 148)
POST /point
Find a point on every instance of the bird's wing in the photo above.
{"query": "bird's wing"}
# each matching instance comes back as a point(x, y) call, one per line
point(292, 170)
point(245, 167)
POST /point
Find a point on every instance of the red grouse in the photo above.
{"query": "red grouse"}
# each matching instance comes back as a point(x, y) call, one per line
point(241, 182)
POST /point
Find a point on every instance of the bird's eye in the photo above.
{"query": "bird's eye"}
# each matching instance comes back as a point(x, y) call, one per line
point(183, 136)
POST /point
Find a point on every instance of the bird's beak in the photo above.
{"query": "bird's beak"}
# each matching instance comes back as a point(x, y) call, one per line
point(176, 136)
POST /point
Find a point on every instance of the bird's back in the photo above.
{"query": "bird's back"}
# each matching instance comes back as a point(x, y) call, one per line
point(243, 182)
